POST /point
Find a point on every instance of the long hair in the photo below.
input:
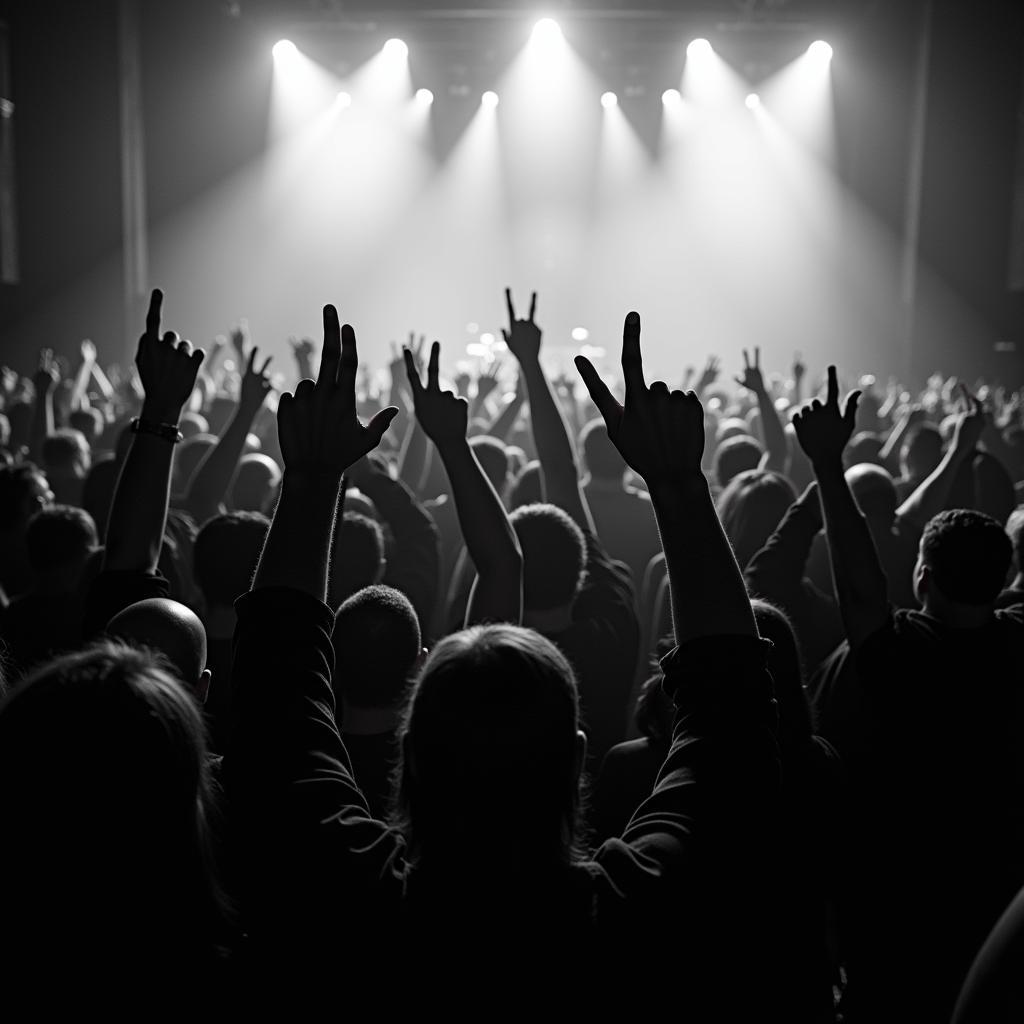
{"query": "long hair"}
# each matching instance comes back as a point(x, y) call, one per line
point(751, 507)
point(106, 804)
point(489, 746)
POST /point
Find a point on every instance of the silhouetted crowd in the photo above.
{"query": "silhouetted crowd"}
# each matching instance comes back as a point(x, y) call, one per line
point(506, 691)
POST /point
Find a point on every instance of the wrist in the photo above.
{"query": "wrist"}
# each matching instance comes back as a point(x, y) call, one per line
point(312, 477)
point(156, 411)
point(665, 492)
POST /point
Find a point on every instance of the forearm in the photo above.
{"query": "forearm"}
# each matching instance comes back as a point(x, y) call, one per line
point(554, 448)
point(102, 381)
point(209, 484)
point(490, 539)
point(776, 449)
point(778, 568)
point(78, 397)
point(708, 595)
point(931, 495)
point(856, 568)
point(414, 458)
point(502, 424)
point(297, 551)
point(890, 450)
point(42, 425)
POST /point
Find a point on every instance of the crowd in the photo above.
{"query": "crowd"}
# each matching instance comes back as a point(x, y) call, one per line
point(510, 690)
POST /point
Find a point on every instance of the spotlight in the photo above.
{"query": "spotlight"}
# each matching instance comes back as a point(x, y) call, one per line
point(699, 48)
point(546, 31)
point(609, 100)
point(396, 48)
point(820, 51)
point(343, 100)
point(283, 49)
point(486, 338)
point(424, 97)
point(489, 99)
point(580, 334)
point(753, 101)
point(671, 97)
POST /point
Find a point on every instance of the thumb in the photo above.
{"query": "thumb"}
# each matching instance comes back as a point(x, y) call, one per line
point(379, 424)
point(850, 412)
point(602, 397)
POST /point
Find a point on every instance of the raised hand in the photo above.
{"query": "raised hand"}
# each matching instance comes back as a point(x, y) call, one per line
point(659, 433)
point(239, 337)
point(523, 336)
point(167, 366)
point(303, 349)
point(487, 381)
point(799, 369)
point(709, 376)
point(88, 351)
point(752, 378)
point(255, 385)
point(823, 430)
point(971, 425)
point(318, 427)
point(47, 376)
point(442, 415)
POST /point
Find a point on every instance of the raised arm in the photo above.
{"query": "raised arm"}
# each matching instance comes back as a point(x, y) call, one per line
point(138, 513)
point(87, 350)
point(823, 432)
point(931, 495)
point(660, 434)
point(211, 480)
point(45, 379)
point(776, 449)
point(554, 448)
point(502, 424)
point(490, 539)
point(321, 436)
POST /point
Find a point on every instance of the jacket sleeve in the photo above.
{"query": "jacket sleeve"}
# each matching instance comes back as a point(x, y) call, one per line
point(776, 572)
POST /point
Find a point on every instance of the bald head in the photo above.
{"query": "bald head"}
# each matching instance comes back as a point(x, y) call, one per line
point(172, 629)
point(873, 490)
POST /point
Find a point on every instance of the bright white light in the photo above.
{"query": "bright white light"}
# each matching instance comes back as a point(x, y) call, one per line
point(580, 334)
point(283, 49)
point(609, 100)
point(486, 339)
point(820, 51)
point(670, 97)
point(699, 48)
point(343, 100)
point(546, 31)
point(489, 99)
point(753, 101)
point(424, 97)
point(396, 48)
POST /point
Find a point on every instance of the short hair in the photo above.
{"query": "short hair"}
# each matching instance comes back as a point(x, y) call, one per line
point(98, 490)
point(600, 457)
point(192, 423)
point(105, 743)
point(864, 447)
point(66, 450)
point(731, 426)
point(226, 551)
point(527, 487)
point(188, 455)
point(796, 723)
point(490, 453)
point(922, 451)
point(5, 431)
point(17, 484)
point(89, 422)
point(489, 743)
point(874, 491)
point(751, 507)
point(59, 537)
point(219, 412)
point(257, 477)
point(1015, 531)
point(968, 554)
point(554, 555)
point(735, 455)
point(357, 558)
point(376, 643)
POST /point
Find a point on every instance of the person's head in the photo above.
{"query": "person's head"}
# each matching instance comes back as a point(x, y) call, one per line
point(527, 487)
point(921, 452)
point(731, 426)
point(66, 454)
point(491, 749)
point(1015, 531)
point(187, 457)
point(962, 564)
point(784, 663)
point(735, 455)
point(493, 459)
point(107, 790)
point(751, 507)
point(59, 541)
point(89, 422)
point(874, 492)
point(601, 458)
point(258, 477)
point(377, 647)
point(19, 416)
point(864, 447)
point(5, 432)
point(192, 423)
point(357, 559)
point(172, 629)
point(219, 412)
point(554, 557)
point(225, 554)
point(98, 490)
point(24, 490)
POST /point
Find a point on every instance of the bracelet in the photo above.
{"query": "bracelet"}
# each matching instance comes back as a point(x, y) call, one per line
point(168, 431)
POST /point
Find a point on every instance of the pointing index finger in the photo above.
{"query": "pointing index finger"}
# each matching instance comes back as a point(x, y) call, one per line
point(632, 361)
point(156, 301)
point(331, 356)
point(433, 367)
point(832, 394)
point(510, 307)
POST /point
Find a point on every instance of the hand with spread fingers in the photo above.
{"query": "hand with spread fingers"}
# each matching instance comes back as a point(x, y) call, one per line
point(442, 415)
point(971, 424)
point(318, 426)
point(824, 430)
point(659, 433)
point(752, 379)
point(255, 384)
